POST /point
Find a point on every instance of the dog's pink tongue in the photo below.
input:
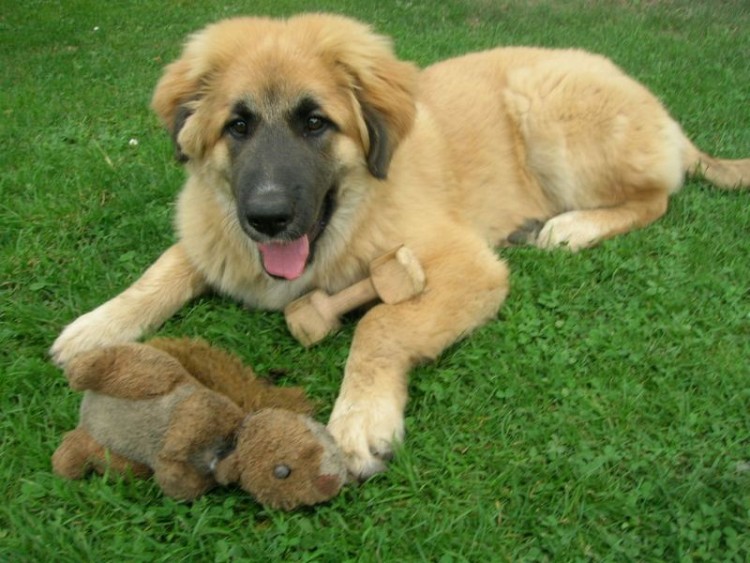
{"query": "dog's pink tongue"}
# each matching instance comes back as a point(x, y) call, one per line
point(286, 259)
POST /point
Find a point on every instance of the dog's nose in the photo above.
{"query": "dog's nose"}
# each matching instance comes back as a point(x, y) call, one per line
point(271, 216)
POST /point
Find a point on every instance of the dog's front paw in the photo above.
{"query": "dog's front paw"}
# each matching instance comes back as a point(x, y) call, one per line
point(99, 327)
point(366, 432)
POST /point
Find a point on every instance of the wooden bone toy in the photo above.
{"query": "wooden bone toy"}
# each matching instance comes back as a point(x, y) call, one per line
point(394, 277)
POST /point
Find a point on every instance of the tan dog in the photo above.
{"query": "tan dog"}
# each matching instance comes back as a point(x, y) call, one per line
point(311, 149)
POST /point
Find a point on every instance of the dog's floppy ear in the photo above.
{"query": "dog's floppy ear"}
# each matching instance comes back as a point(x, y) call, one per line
point(171, 101)
point(385, 90)
point(387, 123)
point(186, 82)
point(383, 85)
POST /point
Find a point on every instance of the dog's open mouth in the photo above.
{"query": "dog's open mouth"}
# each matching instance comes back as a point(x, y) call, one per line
point(288, 259)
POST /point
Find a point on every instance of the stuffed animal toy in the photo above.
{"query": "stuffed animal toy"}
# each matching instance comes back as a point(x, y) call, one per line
point(143, 413)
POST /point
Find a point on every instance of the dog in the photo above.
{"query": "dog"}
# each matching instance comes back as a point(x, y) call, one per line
point(310, 149)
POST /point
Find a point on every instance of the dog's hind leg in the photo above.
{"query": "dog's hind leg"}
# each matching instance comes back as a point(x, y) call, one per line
point(646, 197)
point(586, 227)
point(603, 149)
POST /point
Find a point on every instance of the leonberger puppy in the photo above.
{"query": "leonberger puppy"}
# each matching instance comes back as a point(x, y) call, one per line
point(311, 149)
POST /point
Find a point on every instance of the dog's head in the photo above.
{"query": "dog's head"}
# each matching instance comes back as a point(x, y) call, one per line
point(283, 110)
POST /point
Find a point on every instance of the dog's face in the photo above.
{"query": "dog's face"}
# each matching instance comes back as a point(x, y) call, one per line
point(283, 111)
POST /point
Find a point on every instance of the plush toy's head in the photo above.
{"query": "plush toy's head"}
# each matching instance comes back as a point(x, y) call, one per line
point(284, 460)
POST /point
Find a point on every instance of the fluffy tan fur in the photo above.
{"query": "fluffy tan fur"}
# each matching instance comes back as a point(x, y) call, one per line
point(486, 148)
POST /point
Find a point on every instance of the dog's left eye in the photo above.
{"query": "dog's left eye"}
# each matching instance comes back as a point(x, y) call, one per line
point(315, 124)
point(238, 128)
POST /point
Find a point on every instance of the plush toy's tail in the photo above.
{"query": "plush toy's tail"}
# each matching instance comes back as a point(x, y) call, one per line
point(225, 373)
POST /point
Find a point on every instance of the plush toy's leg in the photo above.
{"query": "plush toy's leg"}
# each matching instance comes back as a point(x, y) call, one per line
point(70, 460)
point(181, 480)
point(183, 466)
point(127, 371)
point(79, 454)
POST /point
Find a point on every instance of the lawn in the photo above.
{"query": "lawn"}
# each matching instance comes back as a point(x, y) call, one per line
point(605, 415)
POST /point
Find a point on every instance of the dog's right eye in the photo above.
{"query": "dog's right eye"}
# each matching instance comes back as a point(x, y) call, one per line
point(238, 128)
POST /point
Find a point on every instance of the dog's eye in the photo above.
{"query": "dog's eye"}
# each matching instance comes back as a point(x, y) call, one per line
point(238, 128)
point(315, 124)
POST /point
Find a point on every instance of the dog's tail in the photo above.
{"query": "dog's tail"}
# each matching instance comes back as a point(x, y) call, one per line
point(723, 173)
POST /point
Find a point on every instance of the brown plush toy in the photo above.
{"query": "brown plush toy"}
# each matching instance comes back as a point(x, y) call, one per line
point(143, 412)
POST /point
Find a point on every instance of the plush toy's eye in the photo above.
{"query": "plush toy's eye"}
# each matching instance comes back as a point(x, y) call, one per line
point(282, 471)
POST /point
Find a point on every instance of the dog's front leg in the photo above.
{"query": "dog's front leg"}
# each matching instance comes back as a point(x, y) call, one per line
point(166, 286)
point(465, 287)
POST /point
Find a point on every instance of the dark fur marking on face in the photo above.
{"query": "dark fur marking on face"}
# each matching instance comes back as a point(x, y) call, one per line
point(309, 120)
point(243, 110)
point(283, 175)
point(242, 122)
point(305, 107)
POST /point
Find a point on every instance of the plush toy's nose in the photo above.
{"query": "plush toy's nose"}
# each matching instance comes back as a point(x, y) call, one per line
point(328, 485)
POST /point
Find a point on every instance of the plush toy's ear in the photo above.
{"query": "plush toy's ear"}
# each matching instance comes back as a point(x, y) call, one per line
point(383, 85)
point(228, 468)
point(239, 454)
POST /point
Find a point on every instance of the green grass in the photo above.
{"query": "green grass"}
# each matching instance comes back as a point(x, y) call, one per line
point(604, 415)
